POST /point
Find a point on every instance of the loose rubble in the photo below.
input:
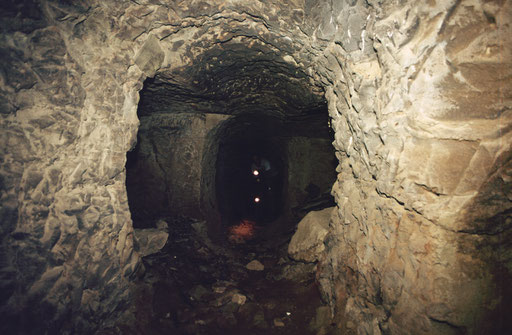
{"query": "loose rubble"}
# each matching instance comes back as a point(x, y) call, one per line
point(194, 286)
point(255, 266)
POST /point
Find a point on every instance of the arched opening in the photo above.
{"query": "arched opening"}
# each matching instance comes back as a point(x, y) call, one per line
point(251, 170)
point(201, 129)
point(231, 156)
point(299, 156)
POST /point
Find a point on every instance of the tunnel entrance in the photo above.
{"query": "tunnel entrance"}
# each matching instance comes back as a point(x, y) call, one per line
point(251, 169)
point(231, 153)
point(300, 163)
point(201, 127)
point(182, 161)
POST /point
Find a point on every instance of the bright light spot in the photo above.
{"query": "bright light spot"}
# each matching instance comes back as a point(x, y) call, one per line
point(288, 313)
point(256, 199)
point(255, 172)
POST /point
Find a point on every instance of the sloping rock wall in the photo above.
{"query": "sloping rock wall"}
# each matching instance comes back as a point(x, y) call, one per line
point(421, 111)
point(164, 170)
point(419, 96)
point(68, 118)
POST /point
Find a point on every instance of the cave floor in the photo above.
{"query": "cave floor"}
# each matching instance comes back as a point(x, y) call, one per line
point(193, 286)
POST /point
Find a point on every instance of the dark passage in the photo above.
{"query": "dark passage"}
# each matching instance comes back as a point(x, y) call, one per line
point(202, 125)
point(228, 174)
point(251, 170)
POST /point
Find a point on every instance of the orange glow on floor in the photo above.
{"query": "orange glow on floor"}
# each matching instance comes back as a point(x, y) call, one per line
point(242, 232)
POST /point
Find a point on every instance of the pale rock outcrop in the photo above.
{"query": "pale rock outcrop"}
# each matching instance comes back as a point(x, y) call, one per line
point(150, 241)
point(255, 265)
point(307, 243)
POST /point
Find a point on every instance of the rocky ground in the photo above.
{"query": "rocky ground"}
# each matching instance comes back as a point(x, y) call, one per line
point(247, 285)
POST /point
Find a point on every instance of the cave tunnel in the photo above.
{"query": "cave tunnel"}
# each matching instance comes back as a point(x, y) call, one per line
point(202, 127)
point(131, 131)
point(242, 189)
point(239, 145)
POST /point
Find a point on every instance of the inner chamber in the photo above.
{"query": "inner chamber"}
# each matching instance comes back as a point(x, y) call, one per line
point(204, 128)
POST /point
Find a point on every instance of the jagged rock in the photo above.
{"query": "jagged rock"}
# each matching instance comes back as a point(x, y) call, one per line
point(255, 265)
point(162, 225)
point(308, 241)
point(231, 297)
point(150, 240)
point(297, 272)
point(150, 57)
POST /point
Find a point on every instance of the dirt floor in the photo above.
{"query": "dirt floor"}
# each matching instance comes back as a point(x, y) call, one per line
point(195, 286)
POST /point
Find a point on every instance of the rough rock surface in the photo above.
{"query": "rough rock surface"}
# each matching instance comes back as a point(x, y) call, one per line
point(307, 243)
point(420, 111)
point(255, 265)
point(419, 97)
point(164, 169)
point(150, 241)
point(196, 287)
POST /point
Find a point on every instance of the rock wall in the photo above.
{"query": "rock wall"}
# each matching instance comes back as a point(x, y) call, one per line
point(68, 118)
point(164, 171)
point(311, 170)
point(419, 95)
point(421, 109)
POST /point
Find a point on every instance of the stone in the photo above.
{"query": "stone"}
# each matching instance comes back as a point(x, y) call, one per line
point(278, 322)
point(297, 272)
point(230, 299)
point(238, 299)
point(255, 265)
point(307, 243)
point(150, 241)
point(162, 225)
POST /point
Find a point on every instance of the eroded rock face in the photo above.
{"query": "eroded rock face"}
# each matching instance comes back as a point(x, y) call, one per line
point(150, 241)
point(422, 147)
point(419, 95)
point(307, 243)
point(67, 121)
point(164, 169)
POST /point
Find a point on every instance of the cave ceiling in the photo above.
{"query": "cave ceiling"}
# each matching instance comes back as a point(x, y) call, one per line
point(233, 78)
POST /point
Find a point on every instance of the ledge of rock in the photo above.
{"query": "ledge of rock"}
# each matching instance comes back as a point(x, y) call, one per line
point(150, 240)
point(308, 241)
